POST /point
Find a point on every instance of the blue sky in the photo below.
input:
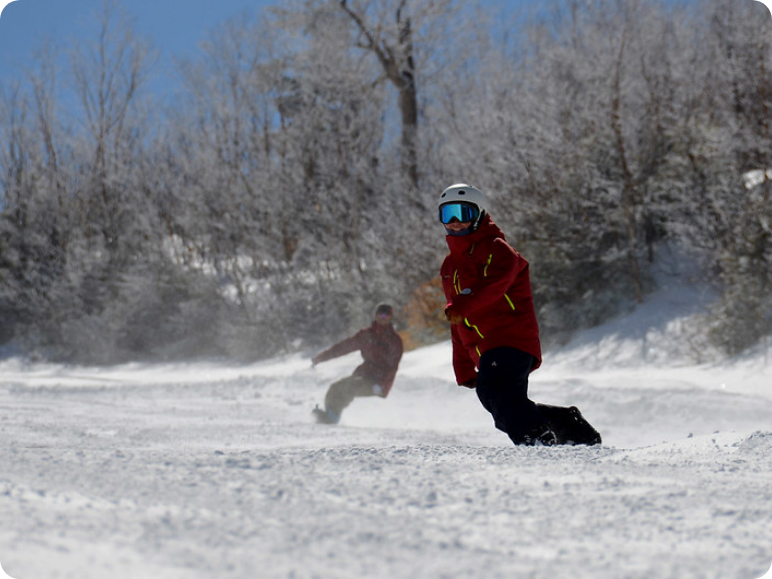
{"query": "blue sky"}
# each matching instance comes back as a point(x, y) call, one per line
point(174, 26)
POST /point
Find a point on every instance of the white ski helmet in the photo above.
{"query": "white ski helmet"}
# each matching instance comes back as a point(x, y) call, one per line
point(463, 193)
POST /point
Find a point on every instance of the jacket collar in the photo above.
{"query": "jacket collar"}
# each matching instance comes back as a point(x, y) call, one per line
point(463, 244)
point(382, 328)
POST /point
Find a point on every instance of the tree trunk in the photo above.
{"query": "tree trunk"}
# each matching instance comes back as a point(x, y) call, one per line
point(628, 189)
point(399, 67)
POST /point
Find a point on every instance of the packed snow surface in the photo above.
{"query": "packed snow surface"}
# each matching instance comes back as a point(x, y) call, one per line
point(217, 471)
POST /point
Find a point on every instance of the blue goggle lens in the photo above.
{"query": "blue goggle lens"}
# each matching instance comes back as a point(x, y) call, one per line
point(463, 212)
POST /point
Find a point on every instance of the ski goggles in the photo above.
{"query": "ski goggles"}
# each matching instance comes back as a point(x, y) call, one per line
point(463, 212)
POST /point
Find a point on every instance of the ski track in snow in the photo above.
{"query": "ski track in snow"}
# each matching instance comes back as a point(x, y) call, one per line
point(206, 470)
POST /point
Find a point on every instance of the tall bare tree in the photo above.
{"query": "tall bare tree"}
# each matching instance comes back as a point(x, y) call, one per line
point(107, 74)
point(392, 44)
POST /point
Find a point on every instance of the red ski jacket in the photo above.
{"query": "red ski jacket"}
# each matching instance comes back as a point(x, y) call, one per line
point(381, 348)
point(488, 289)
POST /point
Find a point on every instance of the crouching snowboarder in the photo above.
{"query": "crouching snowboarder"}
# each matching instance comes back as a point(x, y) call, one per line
point(494, 330)
point(381, 348)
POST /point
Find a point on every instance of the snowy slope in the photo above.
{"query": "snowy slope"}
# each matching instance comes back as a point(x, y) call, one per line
point(207, 470)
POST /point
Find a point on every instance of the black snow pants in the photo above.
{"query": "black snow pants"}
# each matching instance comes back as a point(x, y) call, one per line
point(502, 387)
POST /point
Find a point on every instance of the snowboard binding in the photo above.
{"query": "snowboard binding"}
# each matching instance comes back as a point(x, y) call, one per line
point(569, 426)
point(325, 416)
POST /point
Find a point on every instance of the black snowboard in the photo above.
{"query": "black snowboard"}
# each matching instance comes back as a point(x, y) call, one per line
point(569, 426)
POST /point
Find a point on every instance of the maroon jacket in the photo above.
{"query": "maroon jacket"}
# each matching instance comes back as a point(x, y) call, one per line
point(487, 284)
point(381, 348)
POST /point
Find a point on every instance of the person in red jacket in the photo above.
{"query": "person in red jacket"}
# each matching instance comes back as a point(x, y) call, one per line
point(494, 330)
point(381, 348)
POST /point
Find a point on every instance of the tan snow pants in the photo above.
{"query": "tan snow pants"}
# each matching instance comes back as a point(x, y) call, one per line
point(341, 393)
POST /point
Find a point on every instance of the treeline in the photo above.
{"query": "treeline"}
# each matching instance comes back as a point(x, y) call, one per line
point(288, 182)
